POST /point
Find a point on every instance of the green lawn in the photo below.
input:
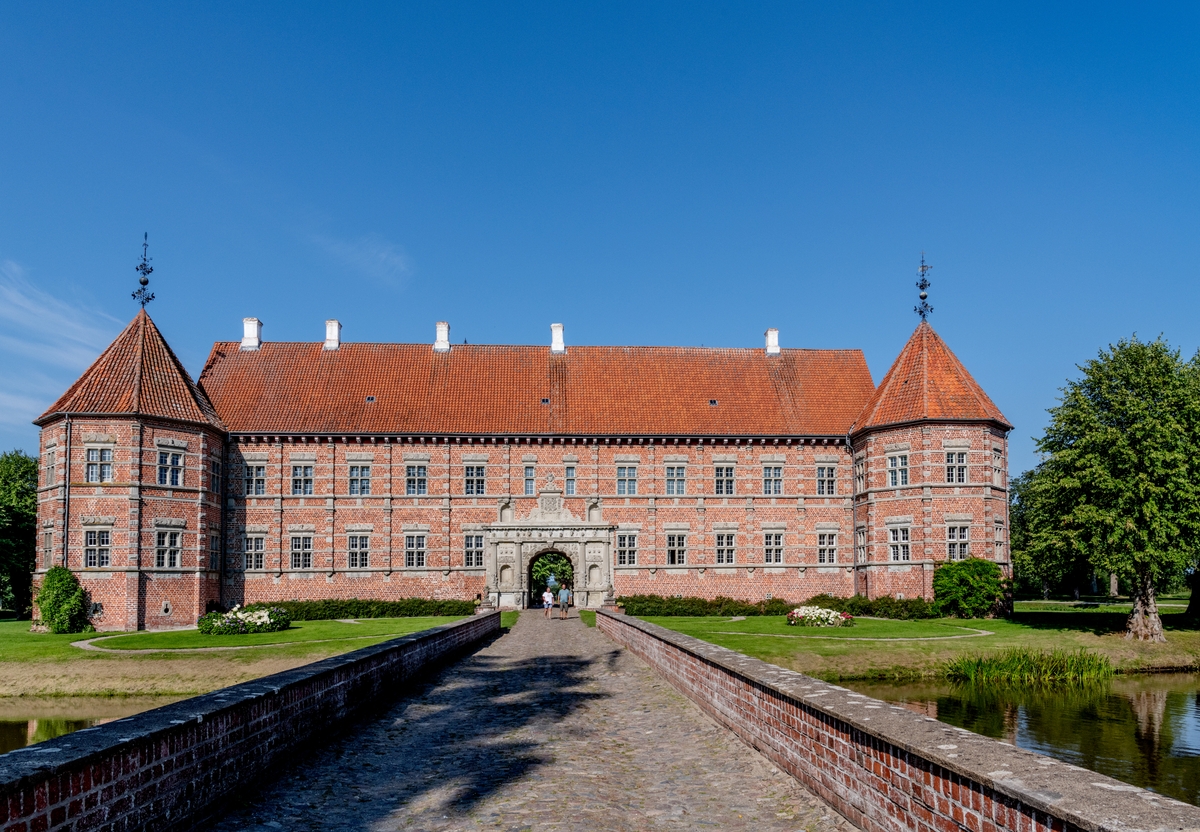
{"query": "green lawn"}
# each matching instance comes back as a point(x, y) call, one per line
point(918, 649)
point(588, 617)
point(365, 631)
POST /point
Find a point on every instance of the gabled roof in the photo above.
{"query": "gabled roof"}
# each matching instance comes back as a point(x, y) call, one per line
point(289, 388)
point(927, 382)
point(137, 375)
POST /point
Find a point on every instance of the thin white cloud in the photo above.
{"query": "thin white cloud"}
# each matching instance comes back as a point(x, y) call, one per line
point(371, 255)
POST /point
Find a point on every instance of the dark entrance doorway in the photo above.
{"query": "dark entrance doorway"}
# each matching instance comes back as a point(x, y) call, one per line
point(548, 569)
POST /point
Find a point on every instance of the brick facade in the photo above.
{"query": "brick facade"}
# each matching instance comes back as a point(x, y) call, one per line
point(790, 503)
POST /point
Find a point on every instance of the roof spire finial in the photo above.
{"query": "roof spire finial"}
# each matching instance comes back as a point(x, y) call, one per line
point(923, 309)
point(144, 269)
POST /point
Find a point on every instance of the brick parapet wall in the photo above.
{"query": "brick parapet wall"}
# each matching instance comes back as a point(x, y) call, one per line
point(902, 771)
point(168, 769)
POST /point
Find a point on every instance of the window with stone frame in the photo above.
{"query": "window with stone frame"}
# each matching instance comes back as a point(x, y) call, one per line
point(215, 474)
point(99, 465)
point(414, 551)
point(416, 480)
point(214, 553)
point(569, 480)
point(51, 461)
point(166, 550)
point(723, 480)
point(302, 480)
point(302, 551)
point(358, 551)
point(826, 480)
point(898, 543)
point(626, 480)
point(997, 467)
point(170, 468)
point(47, 550)
point(474, 480)
point(676, 549)
point(676, 480)
point(253, 548)
point(860, 475)
point(827, 547)
point(772, 479)
point(860, 545)
point(958, 542)
point(627, 550)
point(359, 481)
point(530, 480)
point(97, 549)
point(897, 470)
point(956, 466)
point(255, 480)
point(473, 551)
point(726, 549)
point(998, 541)
point(773, 547)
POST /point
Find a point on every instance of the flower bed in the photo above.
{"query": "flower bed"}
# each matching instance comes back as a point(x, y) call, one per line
point(819, 617)
point(238, 621)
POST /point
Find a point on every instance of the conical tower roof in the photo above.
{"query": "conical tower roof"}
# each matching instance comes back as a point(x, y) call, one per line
point(137, 375)
point(927, 382)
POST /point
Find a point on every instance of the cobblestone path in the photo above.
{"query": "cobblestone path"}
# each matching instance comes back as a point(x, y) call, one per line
point(549, 727)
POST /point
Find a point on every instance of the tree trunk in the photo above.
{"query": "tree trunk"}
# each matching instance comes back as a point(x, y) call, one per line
point(1045, 590)
point(1144, 623)
point(1193, 609)
point(1114, 588)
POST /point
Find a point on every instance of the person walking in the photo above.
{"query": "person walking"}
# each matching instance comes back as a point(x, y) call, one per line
point(564, 600)
point(547, 601)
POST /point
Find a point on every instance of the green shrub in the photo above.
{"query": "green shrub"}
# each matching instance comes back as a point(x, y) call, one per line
point(658, 605)
point(971, 588)
point(904, 609)
point(1021, 666)
point(354, 608)
point(238, 622)
point(62, 602)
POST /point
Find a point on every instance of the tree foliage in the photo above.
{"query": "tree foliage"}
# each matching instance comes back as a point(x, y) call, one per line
point(971, 588)
point(18, 529)
point(62, 602)
point(552, 563)
point(1119, 483)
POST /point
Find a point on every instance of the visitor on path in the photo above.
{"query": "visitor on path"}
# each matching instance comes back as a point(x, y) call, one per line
point(547, 601)
point(564, 600)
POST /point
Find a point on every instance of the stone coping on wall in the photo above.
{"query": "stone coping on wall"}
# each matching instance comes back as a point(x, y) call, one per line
point(1070, 796)
point(167, 768)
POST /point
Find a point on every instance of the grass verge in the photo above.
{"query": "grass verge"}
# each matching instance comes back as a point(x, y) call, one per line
point(588, 617)
point(1017, 666)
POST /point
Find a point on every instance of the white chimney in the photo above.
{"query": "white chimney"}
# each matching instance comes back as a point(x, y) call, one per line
point(333, 335)
point(251, 333)
point(442, 344)
point(772, 341)
point(556, 338)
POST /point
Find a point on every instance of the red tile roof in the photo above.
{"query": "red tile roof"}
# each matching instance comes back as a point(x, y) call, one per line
point(928, 382)
point(138, 375)
point(300, 388)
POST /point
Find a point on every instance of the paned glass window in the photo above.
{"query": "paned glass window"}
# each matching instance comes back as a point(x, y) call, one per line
point(773, 547)
point(997, 467)
point(166, 552)
point(627, 550)
point(826, 480)
point(214, 553)
point(254, 546)
point(626, 479)
point(51, 461)
point(414, 550)
point(302, 552)
point(860, 546)
point(956, 467)
point(998, 541)
point(530, 477)
point(416, 480)
point(97, 551)
point(773, 479)
point(47, 549)
point(860, 476)
point(302, 479)
point(215, 485)
point(473, 551)
point(359, 551)
point(256, 480)
point(360, 480)
point(898, 543)
point(725, 547)
point(723, 479)
point(958, 542)
point(826, 547)
point(676, 549)
point(569, 480)
point(474, 479)
point(676, 480)
point(170, 468)
point(99, 465)
point(897, 470)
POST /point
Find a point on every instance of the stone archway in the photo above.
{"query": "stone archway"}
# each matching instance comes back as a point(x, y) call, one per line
point(534, 587)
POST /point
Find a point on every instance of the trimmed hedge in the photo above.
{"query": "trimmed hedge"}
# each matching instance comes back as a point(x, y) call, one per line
point(856, 605)
point(354, 608)
point(885, 606)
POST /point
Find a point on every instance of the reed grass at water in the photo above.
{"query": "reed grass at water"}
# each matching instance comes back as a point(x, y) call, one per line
point(1018, 666)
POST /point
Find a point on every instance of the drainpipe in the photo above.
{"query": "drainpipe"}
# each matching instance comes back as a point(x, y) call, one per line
point(66, 530)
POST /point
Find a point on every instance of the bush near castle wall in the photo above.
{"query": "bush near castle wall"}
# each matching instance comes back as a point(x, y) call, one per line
point(354, 608)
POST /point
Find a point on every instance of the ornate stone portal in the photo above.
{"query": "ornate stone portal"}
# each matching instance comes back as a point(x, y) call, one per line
point(513, 544)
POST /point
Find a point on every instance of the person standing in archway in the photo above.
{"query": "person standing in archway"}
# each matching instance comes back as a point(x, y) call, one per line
point(547, 601)
point(564, 600)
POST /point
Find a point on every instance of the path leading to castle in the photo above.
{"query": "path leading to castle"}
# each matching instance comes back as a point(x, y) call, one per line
point(550, 727)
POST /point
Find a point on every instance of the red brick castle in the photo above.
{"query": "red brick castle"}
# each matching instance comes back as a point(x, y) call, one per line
point(381, 471)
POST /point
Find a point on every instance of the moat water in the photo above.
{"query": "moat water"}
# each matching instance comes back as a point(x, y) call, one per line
point(28, 720)
point(1143, 730)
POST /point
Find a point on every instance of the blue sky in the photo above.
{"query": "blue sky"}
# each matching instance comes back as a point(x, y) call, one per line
point(644, 173)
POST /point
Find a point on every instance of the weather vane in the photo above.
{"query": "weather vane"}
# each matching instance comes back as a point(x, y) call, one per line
point(923, 284)
point(144, 269)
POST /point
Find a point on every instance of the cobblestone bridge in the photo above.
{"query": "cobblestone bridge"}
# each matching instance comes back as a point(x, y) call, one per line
point(548, 727)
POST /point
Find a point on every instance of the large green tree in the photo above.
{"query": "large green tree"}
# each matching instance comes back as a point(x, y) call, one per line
point(1119, 483)
point(18, 528)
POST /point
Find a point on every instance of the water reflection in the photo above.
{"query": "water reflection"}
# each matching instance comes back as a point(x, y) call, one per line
point(1144, 730)
point(25, 721)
